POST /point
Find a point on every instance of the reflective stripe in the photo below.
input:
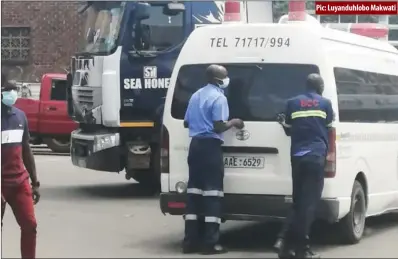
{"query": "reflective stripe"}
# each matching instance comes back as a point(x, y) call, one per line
point(194, 191)
point(311, 113)
point(213, 193)
point(213, 220)
point(197, 191)
point(190, 217)
point(11, 136)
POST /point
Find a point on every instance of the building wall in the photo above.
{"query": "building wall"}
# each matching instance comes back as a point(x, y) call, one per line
point(38, 37)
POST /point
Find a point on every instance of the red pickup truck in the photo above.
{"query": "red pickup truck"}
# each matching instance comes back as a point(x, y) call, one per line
point(47, 113)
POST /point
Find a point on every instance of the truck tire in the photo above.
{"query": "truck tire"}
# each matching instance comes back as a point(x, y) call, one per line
point(148, 177)
point(58, 145)
point(352, 226)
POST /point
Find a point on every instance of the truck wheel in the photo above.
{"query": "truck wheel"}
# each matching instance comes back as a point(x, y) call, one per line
point(352, 226)
point(58, 145)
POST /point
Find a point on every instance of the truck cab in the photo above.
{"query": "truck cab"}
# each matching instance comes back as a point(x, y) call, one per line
point(46, 110)
point(120, 76)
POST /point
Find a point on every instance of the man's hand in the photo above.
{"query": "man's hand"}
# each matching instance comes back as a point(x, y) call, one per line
point(281, 118)
point(36, 194)
point(238, 123)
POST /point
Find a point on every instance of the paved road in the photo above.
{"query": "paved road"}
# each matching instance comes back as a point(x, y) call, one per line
point(100, 215)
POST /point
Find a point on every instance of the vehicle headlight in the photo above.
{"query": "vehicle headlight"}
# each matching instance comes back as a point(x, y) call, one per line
point(106, 141)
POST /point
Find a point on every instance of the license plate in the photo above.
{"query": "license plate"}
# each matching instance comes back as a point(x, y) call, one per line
point(254, 162)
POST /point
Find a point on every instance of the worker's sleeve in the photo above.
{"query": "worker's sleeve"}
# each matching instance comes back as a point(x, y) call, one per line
point(26, 135)
point(186, 117)
point(329, 115)
point(220, 110)
point(288, 115)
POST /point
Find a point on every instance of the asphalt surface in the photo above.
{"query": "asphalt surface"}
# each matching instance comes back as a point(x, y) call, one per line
point(86, 213)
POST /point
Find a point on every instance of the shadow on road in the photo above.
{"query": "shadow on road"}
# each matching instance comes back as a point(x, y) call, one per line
point(259, 237)
point(99, 191)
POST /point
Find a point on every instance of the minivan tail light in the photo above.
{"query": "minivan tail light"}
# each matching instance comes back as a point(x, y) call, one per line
point(164, 151)
point(232, 11)
point(330, 167)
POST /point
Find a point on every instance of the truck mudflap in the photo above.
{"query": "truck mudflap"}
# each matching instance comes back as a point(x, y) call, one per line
point(101, 152)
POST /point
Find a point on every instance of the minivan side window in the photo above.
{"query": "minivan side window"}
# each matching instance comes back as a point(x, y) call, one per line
point(58, 90)
point(366, 96)
point(257, 92)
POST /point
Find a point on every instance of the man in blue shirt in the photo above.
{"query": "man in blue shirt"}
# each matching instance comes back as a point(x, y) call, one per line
point(307, 120)
point(207, 118)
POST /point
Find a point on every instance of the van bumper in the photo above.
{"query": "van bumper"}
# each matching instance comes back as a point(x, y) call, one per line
point(251, 207)
point(87, 151)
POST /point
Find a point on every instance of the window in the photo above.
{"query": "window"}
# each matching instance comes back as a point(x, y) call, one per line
point(393, 19)
point(348, 18)
point(329, 18)
point(159, 32)
point(58, 90)
point(15, 44)
point(368, 18)
point(365, 96)
point(393, 34)
point(257, 92)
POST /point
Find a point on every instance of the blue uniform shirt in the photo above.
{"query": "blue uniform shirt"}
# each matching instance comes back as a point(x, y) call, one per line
point(309, 116)
point(206, 105)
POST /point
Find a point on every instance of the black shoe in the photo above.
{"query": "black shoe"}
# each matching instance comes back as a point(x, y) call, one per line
point(286, 254)
point(190, 249)
point(213, 250)
point(278, 244)
point(285, 251)
point(307, 253)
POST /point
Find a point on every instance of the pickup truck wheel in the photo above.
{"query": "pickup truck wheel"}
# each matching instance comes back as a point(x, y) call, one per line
point(58, 145)
point(352, 226)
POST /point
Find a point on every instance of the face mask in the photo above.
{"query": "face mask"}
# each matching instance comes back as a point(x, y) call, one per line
point(225, 83)
point(9, 98)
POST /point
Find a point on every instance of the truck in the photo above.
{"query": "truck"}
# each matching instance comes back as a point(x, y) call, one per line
point(47, 114)
point(121, 73)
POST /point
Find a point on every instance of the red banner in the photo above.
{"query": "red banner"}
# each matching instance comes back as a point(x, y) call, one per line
point(359, 8)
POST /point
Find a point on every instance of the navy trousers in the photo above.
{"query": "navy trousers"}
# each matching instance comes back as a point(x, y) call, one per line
point(205, 191)
point(308, 181)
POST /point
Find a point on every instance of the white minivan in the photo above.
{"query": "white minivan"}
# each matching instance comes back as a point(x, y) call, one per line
point(268, 64)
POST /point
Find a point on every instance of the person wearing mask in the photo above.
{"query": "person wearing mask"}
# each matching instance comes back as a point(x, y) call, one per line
point(206, 118)
point(17, 166)
point(307, 120)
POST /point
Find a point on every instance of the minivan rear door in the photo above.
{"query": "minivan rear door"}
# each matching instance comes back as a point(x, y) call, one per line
point(257, 158)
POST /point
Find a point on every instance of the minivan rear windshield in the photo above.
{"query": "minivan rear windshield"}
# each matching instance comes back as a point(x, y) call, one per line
point(257, 92)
